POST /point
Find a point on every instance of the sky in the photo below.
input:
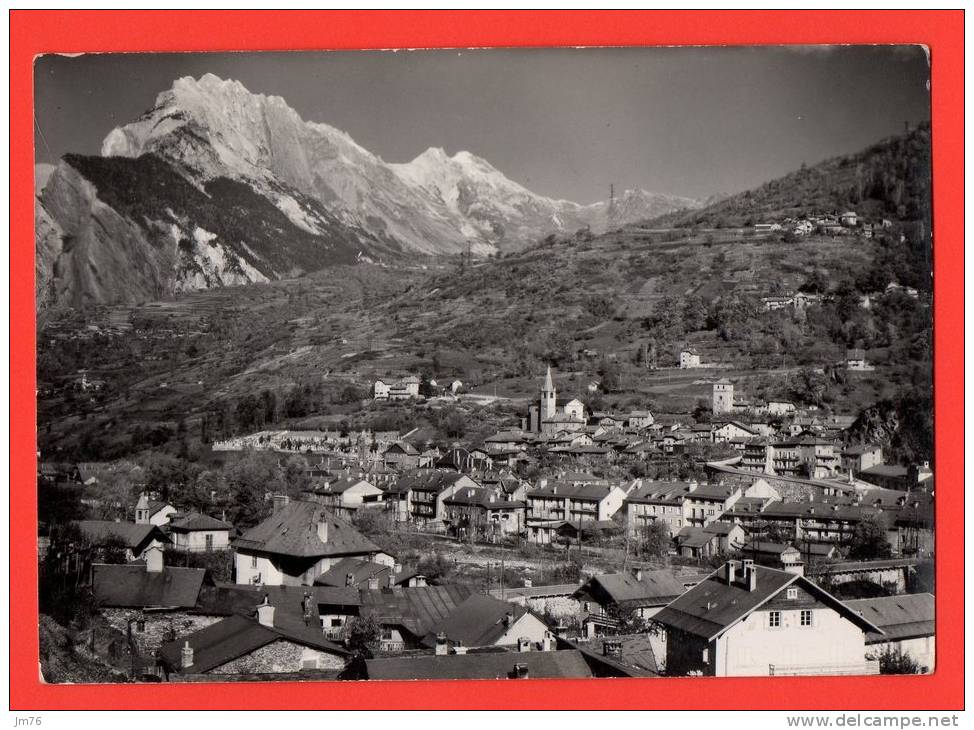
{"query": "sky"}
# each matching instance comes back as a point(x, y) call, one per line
point(565, 123)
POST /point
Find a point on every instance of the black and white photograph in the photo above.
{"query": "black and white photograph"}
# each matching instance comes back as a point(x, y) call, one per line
point(484, 364)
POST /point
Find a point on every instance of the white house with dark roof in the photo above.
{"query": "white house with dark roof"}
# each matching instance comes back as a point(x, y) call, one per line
point(907, 624)
point(297, 543)
point(195, 532)
point(152, 511)
point(748, 620)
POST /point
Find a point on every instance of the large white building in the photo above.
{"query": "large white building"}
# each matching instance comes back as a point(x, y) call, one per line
point(747, 620)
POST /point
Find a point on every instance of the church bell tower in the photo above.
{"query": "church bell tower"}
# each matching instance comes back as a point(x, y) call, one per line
point(548, 397)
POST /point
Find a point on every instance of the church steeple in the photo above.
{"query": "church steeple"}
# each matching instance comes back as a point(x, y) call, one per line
point(548, 399)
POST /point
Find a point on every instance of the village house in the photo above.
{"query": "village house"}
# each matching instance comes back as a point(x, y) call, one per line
point(860, 457)
point(689, 358)
point(717, 538)
point(788, 557)
point(556, 502)
point(724, 431)
point(147, 603)
point(749, 620)
point(134, 539)
point(894, 476)
point(907, 624)
point(297, 543)
point(482, 513)
point(195, 532)
point(403, 389)
point(849, 218)
point(358, 573)
point(401, 455)
point(346, 495)
point(781, 407)
point(405, 615)
point(650, 501)
point(606, 599)
point(244, 645)
point(817, 521)
point(482, 622)
point(425, 491)
point(638, 420)
point(152, 512)
point(705, 503)
point(855, 359)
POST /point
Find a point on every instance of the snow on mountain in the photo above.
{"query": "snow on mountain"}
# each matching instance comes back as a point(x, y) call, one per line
point(216, 185)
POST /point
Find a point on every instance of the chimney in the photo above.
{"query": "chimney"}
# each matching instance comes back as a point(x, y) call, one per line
point(508, 618)
point(349, 580)
point(280, 501)
point(637, 573)
point(397, 568)
point(528, 583)
point(523, 644)
point(751, 576)
point(373, 582)
point(323, 529)
point(548, 642)
point(265, 613)
point(611, 648)
point(391, 580)
point(692, 487)
point(153, 560)
point(186, 656)
point(730, 568)
point(442, 648)
point(520, 671)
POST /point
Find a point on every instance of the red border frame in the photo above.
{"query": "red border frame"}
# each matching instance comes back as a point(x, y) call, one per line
point(35, 32)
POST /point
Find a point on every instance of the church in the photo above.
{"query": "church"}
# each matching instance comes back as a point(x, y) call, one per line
point(545, 417)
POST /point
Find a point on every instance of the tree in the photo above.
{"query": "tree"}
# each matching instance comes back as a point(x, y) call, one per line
point(362, 635)
point(609, 371)
point(896, 661)
point(869, 541)
point(654, 542)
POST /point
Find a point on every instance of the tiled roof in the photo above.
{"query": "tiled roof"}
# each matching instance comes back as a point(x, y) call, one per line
point(361, 571)
point(494, 665)
point(655, 588)
point(574, 491)
point(133, 535)
point(900, 617)
point(238, 636)
point(195, 521)
point(712, 606)
point(427, 480)
point(132, 586)
point(416, 609)
point(293, 531)
point(659, 491)
point(478, 621)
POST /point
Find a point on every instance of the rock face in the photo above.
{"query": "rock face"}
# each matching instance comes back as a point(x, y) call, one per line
point(293, 196)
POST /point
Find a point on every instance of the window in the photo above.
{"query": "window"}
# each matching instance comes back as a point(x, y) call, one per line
point(336, 622)
point(806, 617)
point(774, 619)
point(253, 561)
point(209, 542)
point(792, 594)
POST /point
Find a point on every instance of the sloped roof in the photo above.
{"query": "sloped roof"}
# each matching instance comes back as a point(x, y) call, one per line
point(132, 586)
point(133, 535)
point(713, 606)
point(235, 637)
point(416, 609)
point(900, 617)
point(655, 588)
point(478, 621)
point(194, 521)
point(659, 491)
point(426, 480)
point(293, 531)
point(340, 486)
point(493, 665)
point(361, 571)
point(586, 491)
